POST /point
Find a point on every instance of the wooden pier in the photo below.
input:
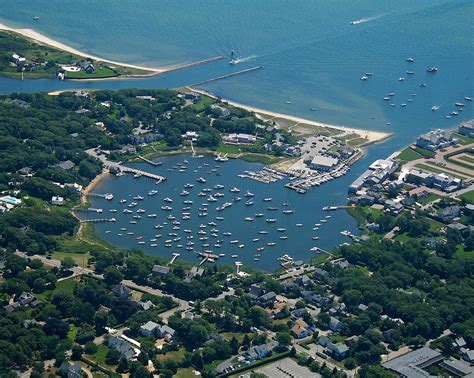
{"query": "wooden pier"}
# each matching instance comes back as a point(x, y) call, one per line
point(87, 210)
point(98, 220)
point(247, 70)
point(175, 256)
point(141, 173)
point(154, 163)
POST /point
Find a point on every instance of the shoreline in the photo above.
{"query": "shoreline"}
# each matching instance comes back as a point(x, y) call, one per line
point(150, 71)
point(371, 136)
point(95, 181)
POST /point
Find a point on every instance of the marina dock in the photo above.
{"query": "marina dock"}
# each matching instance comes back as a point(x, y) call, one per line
point(154, 163)
point(142, 173)
point(98, 220)
point(247, 70)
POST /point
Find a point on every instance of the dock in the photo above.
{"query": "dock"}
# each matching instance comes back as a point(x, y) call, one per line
point(98, 220)
point(175, 256)
point(198, 63)
point(142, 173)
point(107, 196)
point(247, 70)
point(154, 163)
point(87, 210)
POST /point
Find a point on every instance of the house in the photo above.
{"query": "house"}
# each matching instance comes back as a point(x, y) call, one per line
point(87, 66)
point(57, 200)
point(457, 368)
point(26, 171)
point(467, 129)
point(70, 370)
point(305, 280)
point(298, 313)
point(191, 136)
point(255, 291)
point(18, 60)
point(316, 299)
point(267, 299)
point(363, 307)
point(148, 328)
point(67, 165)
point(195, 272)
point(256, 352)
point(145, 305)
point(339, 351)
point(160, 271)
point(121, 291)
point(338, 309)
point(123, 347)
point(435, 140)
point(319, 274)
point(334, 324)
point(393, 207)
point(224, 112)
point(240, 138)
point(450, 212)
point(456, 227)
point(165, 332)
point(299, 331)
point(342, 264)
point(377, 173)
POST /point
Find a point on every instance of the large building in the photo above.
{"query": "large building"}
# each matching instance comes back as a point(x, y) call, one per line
point(323, 163)
point(440, 181)
point(435, 140)
point(411, 365)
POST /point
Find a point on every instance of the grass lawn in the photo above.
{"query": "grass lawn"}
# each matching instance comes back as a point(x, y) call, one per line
point(467, 158)
point(461, 252)
point(201, 105)
point(80, 258)
point(66, 285)
point(356, 141)
point(71, 335)
point(429, 198)
point(229, 149)
point(177, 355)
point(434, 169)
point(463, 139)
point(424, 152)
point(185, 373)
point(100, 355)
point(434, 225)
point(260, 158)
point(238, 335)
point(408, 154)
point(100, 73)
point(468, 196)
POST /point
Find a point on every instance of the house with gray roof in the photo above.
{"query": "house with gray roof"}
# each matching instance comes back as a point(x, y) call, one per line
point(70, 370)
point(66, 165)
point(123, 347)
point(161, 271)
point(334, 324)
point(149, 328)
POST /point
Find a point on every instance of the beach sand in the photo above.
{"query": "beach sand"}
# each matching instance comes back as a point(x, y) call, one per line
point(371, 136)
point(92, 185)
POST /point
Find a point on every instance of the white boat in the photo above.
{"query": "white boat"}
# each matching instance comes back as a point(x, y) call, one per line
point(167, 199)
point(184, 193)
point(288, 211)
point(138, 198)
point(267, 199)
point(249, 194)
point(152, 192)
point(467, 98)
point(201, 180)
point(235, 190)
point(435, 108)
point(363, 78)
point(410, 60)
point(401, 78)
point(270, 220)
point(249, 219)
point(259, 215)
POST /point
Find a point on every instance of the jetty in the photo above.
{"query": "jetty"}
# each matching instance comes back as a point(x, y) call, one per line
point(154, 163)
point(247, 70)
point(192, 64)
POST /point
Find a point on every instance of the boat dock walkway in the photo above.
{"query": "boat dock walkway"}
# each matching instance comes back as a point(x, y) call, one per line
point(142, 173)
point(247, 70)
point(87, 210)
point(154, 163)
point(98, 220)
point(175, 256)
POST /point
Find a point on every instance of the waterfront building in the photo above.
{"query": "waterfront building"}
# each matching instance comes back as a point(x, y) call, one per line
point(435, 140)
point(377, 173)
point(240, 138)
point(323, 163)
point(467, 129)
point(412, 364)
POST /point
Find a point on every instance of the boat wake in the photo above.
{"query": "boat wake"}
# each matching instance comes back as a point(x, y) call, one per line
point(364, 20)
point(245, 59)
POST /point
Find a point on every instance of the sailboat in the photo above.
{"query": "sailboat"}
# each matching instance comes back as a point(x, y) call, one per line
point(288, 102)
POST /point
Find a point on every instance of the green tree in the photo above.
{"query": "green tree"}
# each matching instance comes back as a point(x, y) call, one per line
point(112, 275)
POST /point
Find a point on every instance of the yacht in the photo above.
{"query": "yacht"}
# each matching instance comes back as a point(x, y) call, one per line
point(249, 203)
point(410, 60)
point(270, 220)
point(184, 193)
point(201, 180)
point(218, 187)
point(401, 78)
point(152, 192)
point(255, 240)
point(122, 201)
point(459, 104)
point(188, 186)
point(235, 190)
point(263, 232)
point(467, 98)
point(267, 199)
point(299, 224)
point(259, 215)
point(410, 73)
point(138, 198)
point(249, 194)
point(167, 199)
point(281, 229)
point(283, 237)
point(249, 219)
point(288, 211)
point(237, 199)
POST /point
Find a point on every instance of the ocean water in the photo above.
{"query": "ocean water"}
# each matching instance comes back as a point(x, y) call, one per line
point(311, 55)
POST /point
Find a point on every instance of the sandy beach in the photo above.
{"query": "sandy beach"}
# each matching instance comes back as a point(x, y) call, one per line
point(92, 185)
point(371, 136)
point(41, 38)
